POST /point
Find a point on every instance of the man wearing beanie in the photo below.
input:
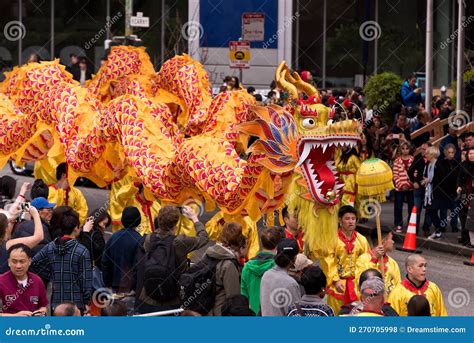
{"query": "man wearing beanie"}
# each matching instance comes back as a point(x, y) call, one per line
point(119, 252)
point(278, 290)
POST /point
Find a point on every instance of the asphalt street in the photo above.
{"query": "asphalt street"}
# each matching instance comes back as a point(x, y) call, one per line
point(455, 279)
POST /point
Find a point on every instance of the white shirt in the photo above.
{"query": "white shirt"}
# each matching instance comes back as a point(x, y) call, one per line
point(82, 80)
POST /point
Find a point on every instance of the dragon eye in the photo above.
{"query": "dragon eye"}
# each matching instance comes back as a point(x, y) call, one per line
point(309, 123)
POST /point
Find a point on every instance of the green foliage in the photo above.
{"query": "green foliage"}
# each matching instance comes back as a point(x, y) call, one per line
point(468, 74)
point(380, 92)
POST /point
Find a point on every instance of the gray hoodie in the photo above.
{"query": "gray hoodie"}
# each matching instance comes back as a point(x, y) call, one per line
point(278, 291)
point(227, 275)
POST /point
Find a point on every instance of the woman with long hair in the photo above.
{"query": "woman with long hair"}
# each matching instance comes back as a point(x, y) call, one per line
point(403, 186)
point(92, 237)
point(7, 222)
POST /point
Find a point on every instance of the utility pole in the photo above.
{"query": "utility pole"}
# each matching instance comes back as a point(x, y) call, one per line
point(376, 42)
point(460, 59)
point(20, 41)
point(52, 31)
point(429, 56)
point(323, 72)
point(128, 16)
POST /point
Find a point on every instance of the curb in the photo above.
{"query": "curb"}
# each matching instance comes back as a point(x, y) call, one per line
point(422, 243)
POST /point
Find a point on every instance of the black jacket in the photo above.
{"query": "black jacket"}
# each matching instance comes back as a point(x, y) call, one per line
point(183, 245)
point(415, 172)
point(445, 178)
point(94, 242)
point(76, 74)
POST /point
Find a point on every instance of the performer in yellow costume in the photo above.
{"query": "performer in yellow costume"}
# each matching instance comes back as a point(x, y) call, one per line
point(347, 164)
point(132, 194)
point(340, 265)
point(371, 260)
point(62, 194)
point(417, 284)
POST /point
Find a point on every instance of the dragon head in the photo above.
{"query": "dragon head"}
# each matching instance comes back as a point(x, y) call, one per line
point(320, 138)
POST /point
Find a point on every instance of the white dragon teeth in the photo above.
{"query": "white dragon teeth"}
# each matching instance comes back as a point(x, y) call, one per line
point(304, 155)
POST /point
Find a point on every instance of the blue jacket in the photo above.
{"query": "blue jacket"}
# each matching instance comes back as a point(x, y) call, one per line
point(410, 98)
point(118, 259)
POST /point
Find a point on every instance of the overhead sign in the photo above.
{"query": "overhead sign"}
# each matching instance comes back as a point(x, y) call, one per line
point(253, 24)
point(239, 54)
point(140, 20)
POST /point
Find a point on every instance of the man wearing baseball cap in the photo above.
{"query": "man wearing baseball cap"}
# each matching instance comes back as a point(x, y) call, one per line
point(278, 290)
point(372, 293)
point(27, 228)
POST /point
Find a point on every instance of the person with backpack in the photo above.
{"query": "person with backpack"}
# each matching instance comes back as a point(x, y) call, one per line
point(161, 259)
point(207, 285)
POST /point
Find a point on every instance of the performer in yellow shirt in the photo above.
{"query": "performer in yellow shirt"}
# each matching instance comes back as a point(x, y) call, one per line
point(132, 194)
point(347, 165)
point(340, 264)
point(417, 284)
point(62, 194)
point(372, 260)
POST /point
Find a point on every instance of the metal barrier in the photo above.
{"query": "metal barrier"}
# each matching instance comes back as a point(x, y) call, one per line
point(160, 313)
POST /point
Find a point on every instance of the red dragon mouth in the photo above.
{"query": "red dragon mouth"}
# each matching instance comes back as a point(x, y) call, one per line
point(316, 157)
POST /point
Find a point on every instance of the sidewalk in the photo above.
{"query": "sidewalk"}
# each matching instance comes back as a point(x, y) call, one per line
point(447, 243)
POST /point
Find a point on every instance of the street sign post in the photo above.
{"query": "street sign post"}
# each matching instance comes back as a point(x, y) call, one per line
point(253, 26)
point(239, 54)
point(140, 21)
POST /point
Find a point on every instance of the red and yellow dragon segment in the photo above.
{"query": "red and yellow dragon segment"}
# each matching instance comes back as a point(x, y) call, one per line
point(106, 125)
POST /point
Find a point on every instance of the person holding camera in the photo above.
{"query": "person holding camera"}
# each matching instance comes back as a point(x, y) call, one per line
point(7, 222)
point(411, 93)
point(26, 228)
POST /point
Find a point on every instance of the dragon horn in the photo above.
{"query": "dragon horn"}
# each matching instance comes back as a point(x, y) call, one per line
point(280, 78)
point(303, 86)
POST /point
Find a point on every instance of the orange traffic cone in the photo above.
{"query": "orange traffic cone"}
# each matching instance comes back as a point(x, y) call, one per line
point(409, 245)
point(471, 262)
